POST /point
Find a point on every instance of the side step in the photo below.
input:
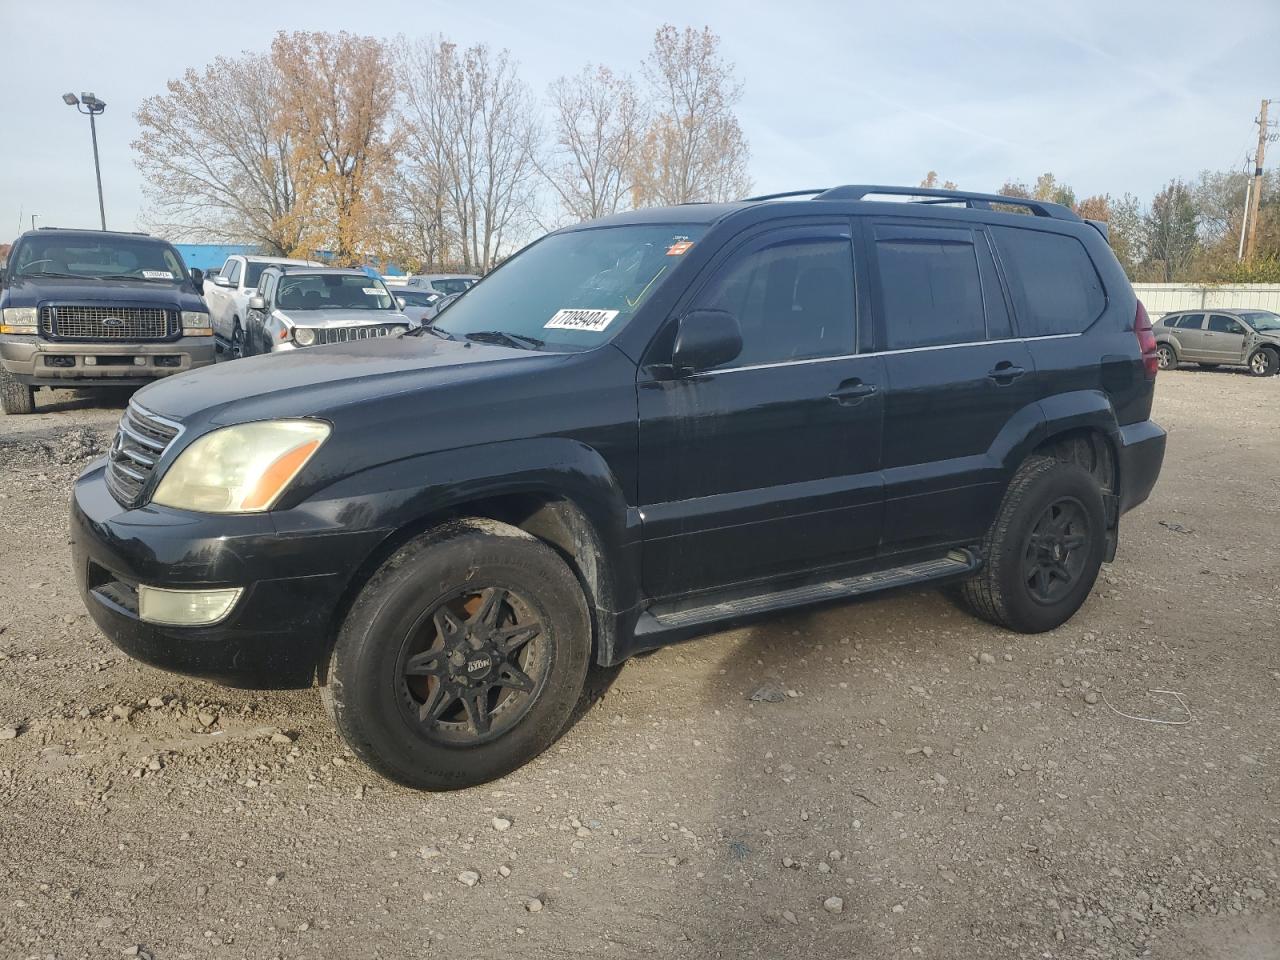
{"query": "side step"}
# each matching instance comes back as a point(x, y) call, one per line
point(957, 562)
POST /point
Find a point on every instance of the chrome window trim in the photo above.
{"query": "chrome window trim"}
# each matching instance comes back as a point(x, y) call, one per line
point(889, 353)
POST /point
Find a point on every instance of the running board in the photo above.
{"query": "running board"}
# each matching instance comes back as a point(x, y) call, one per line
point(957, 562)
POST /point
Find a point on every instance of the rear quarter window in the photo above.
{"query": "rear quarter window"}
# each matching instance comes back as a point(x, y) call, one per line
point(1055, 287)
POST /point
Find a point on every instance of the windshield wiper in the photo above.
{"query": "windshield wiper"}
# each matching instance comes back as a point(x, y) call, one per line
point(518, 340)
point(431, 329)
point(50, 273)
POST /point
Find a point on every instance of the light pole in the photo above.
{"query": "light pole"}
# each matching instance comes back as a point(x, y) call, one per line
point(90, 105)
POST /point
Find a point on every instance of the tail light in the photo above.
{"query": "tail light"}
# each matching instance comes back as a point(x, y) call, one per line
point(1146, 341)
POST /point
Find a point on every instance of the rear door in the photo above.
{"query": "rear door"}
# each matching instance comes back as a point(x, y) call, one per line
point(1191, 337)
point(1223, 339)
point(767, 465)
point(956, 379)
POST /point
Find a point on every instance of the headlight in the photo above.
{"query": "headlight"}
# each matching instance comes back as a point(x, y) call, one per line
point(19, 320)
point(303, 337)
point(195, 323)
point(240, 469)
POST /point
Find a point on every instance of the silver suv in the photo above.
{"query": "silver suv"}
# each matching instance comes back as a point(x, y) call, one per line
point(1212, 338)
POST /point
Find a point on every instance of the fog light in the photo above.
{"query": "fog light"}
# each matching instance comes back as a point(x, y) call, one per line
point(90, 361)
point(185, 608)
point(139, 361)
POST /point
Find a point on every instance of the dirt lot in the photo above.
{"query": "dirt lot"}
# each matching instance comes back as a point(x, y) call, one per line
point(964, 791)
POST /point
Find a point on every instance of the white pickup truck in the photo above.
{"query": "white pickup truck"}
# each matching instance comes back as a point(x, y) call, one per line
point(228, 293)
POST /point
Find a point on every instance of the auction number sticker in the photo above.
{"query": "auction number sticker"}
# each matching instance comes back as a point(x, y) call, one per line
point(157, 275)
point(592, 320)
point(372, 291)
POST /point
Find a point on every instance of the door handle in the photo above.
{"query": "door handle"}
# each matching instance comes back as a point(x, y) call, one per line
point(851, 392)
point(1005, 372)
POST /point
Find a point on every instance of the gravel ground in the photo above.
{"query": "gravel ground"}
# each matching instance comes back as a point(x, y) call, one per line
point(922, 785)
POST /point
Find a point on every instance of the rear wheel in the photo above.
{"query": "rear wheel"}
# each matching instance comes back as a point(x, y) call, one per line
point(463, 657)
point(1264, 363)
point(1043, 551)
point(15, 397)
point(1165, 357)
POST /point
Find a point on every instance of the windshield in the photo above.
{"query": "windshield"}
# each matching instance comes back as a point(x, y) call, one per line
point(572, 291)
point(457, 285)
point(1261, 319)
point(416, 298)
point(97, 258)
point(332, 291)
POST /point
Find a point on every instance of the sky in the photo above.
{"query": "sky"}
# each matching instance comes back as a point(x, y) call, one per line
point(1112, 97)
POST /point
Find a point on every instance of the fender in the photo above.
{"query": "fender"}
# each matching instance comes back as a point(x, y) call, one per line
point(409, 493)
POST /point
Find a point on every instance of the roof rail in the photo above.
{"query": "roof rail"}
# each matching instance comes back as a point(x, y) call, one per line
point(978, 201)
point(784, 195)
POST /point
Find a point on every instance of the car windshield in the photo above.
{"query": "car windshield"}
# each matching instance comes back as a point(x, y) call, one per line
point(417, 298)
point(105, 257)
point(572, 291)
point(332, 291)
point(1261, 319)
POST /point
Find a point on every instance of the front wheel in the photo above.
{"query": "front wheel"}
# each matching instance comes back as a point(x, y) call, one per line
point(1166, 359)
point(463, 657)
point(237, 343)
point(1043, 551)
point(15, 397)
point(1264, 363)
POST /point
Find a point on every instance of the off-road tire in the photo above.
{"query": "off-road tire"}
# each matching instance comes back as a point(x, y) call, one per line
point(364, 681)
point(15, 397)
point(1000, 592)
point(1265, 362)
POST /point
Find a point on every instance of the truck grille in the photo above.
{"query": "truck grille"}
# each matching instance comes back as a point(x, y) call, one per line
point(140, 442)
point(76, 322)
point(347, 334)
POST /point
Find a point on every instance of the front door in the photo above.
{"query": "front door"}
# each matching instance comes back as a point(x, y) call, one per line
point(957, 381)
point(769, 464)
point(1224, 339)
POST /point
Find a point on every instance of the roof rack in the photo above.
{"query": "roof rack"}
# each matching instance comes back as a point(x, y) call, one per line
point(976, 201)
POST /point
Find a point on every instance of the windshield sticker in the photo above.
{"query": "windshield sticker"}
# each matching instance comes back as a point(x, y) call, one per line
point(157, 275)
point(679, 247)
point(372, 291)
point(592, 320)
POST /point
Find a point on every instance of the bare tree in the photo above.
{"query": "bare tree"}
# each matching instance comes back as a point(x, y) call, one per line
point(337, 94)
point(473, 129)
point(215, 163)
point(694, 149)
point(598, 122)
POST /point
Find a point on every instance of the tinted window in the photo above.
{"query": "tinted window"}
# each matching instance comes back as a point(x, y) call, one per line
point(1192, 321)
point(1169, 321)
point(1055, 287)
point(1223, 324)
point(930, 288)
point(451, 286)
point(232, 272)
point(792, 295)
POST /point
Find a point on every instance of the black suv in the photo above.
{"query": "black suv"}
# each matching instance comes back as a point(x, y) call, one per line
point(88, 308)
point(634, 431)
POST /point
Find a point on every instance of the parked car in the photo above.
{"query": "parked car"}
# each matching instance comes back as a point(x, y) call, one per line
point(442, 283)
point(418, 305)
point(228, 296)
point(634, 431)
point(301, 306)
point(92, 308)
point(1213, 338)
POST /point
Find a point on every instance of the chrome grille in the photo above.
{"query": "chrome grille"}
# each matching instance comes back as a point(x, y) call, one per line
point(348, 334)
point(140, 442)
point(83, 322)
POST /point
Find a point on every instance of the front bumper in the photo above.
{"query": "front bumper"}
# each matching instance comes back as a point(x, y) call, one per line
point(56, 363)
point(1141, 454)
point(281, 625)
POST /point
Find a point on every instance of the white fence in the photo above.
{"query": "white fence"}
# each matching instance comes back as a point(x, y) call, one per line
point(1162, 298)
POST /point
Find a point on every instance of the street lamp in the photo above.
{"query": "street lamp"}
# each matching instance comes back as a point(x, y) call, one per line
point(90, 105)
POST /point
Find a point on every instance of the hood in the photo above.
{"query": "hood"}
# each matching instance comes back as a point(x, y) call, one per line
point(319, 319)
point(313, 381)
point(35, 291)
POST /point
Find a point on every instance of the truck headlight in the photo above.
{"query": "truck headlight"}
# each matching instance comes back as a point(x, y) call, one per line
point(19, 320)
point(195, 323)
point(240, 469)
point(303, 336)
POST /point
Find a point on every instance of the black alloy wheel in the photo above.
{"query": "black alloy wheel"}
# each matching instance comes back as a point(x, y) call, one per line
point(1057, 550)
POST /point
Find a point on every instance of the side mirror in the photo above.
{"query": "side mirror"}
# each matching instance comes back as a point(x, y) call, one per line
point(705, 339)
point(257, 302)
point(401, 302)
point(221, 281)
point(197, 278)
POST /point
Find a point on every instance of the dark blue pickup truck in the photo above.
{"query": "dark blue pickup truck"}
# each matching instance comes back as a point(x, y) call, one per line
point(90, 308)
